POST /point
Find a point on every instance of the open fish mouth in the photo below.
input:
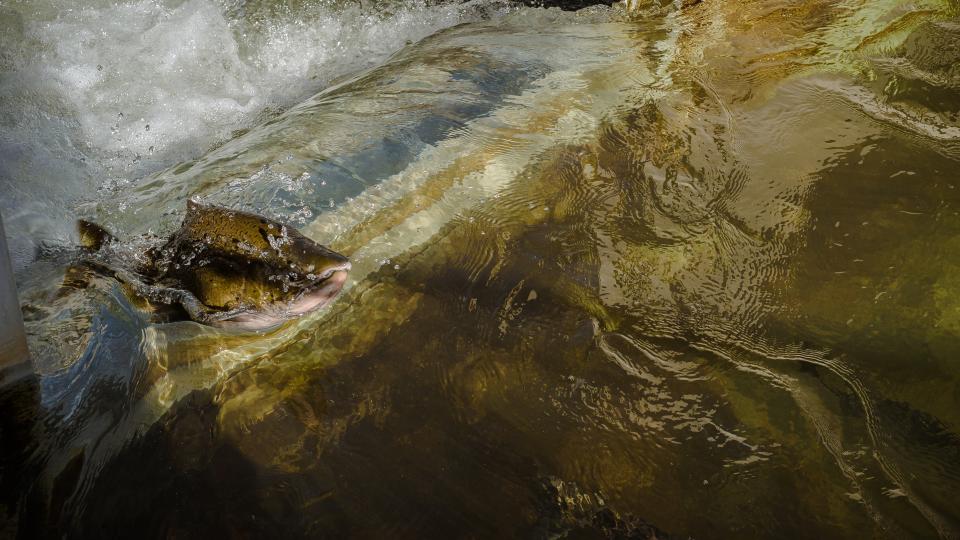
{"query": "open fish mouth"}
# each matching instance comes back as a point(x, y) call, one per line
point(324, 289)
point(318, 281)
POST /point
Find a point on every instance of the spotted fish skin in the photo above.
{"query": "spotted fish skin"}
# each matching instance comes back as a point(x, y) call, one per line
point(229, 268)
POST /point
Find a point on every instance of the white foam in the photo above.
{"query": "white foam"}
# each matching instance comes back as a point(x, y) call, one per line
point(121, 90)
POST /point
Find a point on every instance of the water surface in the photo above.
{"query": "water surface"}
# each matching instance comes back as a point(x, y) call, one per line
point(660, 272)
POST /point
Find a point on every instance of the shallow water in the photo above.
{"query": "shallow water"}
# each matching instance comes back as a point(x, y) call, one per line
point(660, 272)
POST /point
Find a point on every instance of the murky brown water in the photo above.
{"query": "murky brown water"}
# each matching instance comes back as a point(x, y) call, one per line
point(673, 273)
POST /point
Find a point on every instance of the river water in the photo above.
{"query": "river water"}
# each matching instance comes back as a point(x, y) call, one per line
point(662, 270)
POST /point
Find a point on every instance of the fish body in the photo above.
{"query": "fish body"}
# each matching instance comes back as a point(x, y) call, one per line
point(231, 269)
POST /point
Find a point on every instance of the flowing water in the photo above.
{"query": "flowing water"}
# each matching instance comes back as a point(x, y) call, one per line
point(657, 270)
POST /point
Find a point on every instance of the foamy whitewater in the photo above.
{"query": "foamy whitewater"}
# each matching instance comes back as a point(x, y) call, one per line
point(95, 97)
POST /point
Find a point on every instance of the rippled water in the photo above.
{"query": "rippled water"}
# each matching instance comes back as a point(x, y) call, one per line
point(672, 271)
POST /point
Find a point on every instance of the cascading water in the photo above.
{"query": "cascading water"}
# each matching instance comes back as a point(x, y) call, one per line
point(97, 95)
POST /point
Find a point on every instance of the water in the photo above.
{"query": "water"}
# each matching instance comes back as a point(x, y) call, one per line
point(660, 272)
point(97, 95)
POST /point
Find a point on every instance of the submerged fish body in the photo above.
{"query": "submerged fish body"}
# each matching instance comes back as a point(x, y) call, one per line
point(232, 269)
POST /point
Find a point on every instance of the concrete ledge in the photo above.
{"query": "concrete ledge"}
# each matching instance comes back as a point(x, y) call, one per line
point(13, 341)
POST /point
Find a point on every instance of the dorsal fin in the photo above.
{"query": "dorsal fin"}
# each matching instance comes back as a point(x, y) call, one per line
point(194, 206)
point(93, 236)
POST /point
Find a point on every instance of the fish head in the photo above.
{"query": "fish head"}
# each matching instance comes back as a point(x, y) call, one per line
point(240, 261)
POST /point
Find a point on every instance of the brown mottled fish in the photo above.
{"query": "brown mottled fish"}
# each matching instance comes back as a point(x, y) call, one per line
point(229, 269)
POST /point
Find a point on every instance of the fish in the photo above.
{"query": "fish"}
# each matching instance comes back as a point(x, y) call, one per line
point(226, 268)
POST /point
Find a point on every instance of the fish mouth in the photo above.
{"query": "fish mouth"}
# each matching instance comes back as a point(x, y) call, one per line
point(325, 289)
point(330, 273)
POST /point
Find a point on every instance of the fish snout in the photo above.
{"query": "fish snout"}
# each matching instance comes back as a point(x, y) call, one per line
point(332, 270)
